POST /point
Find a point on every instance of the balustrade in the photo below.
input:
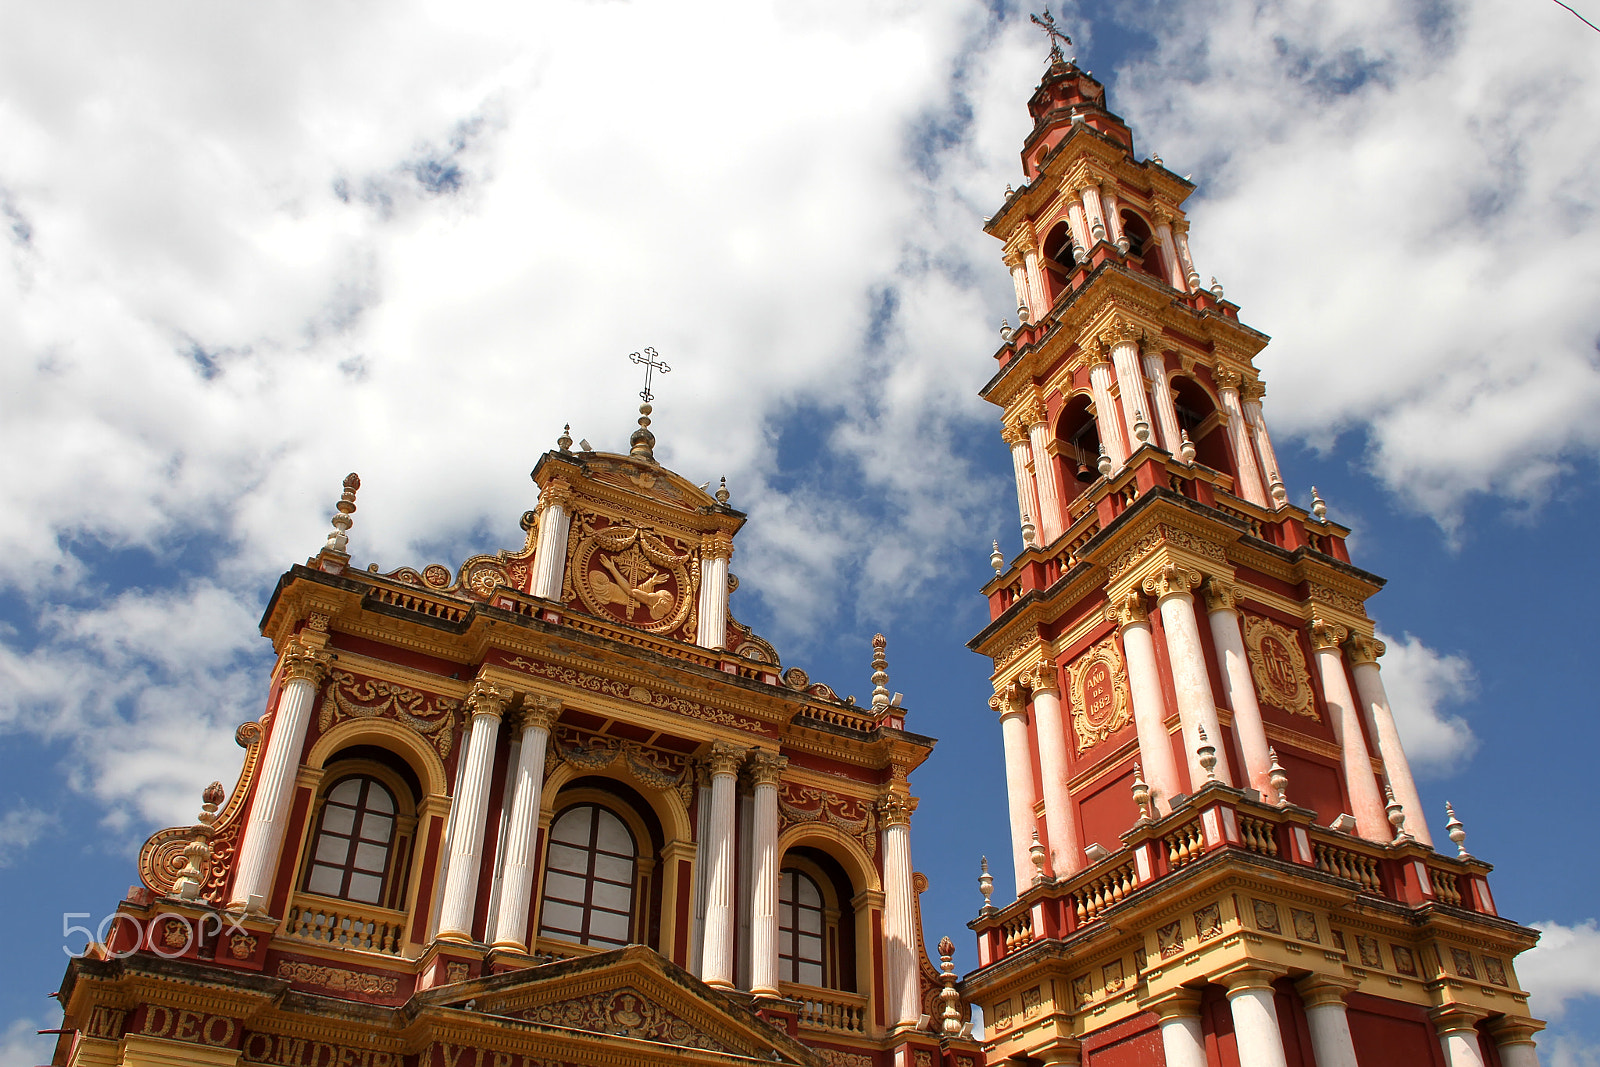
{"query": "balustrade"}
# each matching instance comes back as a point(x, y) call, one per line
point(1446, 887)
point(1103, 891)
point(1017, 931)
point(1351, 866)
point(1184, 846)
point(828, 1009)
point(1259, 835)
point(365, 930)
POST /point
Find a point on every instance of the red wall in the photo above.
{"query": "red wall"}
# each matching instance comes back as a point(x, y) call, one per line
point(1390, 1034)
point(1134, 1042)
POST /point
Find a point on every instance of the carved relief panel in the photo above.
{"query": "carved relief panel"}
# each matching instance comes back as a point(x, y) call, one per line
point(1278, 666)
point(1099, 686)
point(634, 576)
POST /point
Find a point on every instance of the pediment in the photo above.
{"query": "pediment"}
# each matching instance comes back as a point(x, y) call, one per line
point(632, 993)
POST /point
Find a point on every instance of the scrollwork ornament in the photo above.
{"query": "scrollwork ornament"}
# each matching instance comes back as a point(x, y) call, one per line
point(1043, 676)
point(352, 696)
point(1221, 594)
point(1127, 610)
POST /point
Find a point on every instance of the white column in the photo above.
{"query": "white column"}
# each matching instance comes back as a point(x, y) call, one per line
point(1080, 229)
point(1149, 703)
point(766, 770)
point(1327, 1020)
point(1044, 473)
point(716, 957)
point(1244, 453)
point(1019, 780)
point(1019, 281)
point(522, 832)
point(1166, 416)
point(1169, 252)
point(715, 549)
point(1130, 381)
point(1263, 443)
point(1108, 196)
point(1182, 1039)
point(1513, 1039)
point(1458, 1035)
point(1255, 1020)
point(1238, 686)
point(1180, 231)
point(1364, 653)
point(1190, 679)
point(1091, 203)
point(1041, 297)
point(1066, 843)
point(1106, 418)
point(550, 554)
point(304, 668)
point(702, 865)
point(1021, 462)
point(899, 911)
point(1372, 821)
point(487, 702)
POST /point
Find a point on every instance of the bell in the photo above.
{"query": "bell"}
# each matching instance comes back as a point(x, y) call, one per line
point(1085, 474)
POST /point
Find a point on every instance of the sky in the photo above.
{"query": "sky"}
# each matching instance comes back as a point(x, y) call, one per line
point(246, 250)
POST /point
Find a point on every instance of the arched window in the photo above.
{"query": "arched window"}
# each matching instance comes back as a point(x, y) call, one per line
point(800, 929)
point(350, 858)
point(1058, 261)
point(1144, 251)
point(588, 889)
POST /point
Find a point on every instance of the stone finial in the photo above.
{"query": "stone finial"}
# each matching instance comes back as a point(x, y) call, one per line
point(1279, 491)
point(1005, 330)
point(1036, 855)
point(1104, 464)
point(1123, 244)
point(997, 561)
point(1141, 428)
point(1216, 287)
point(564, 442)
point(1186, 450)
point(1141, 794)
point(986, 884)
point(1009, 190)
point(950, 1015)
point(1207, 752)
point(880, 674)
point(1028, 532)
point(341, 519)
point(1456, 831)
point(722, 493)
point(197, 853)
point(1023, 315)
point(210, 800)
point(1397, 815)
point(642, 443)
point(1319, 506)
point(1277, 776)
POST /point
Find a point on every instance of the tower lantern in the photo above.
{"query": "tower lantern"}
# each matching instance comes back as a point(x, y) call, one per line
point(1219, 853)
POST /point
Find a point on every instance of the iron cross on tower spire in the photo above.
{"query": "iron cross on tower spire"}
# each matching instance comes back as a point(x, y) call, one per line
point(1048, 24)
point(642, 441)
point(652, 362)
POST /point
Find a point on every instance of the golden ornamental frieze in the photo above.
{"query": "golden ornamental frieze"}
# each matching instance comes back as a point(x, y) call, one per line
point(1278, 666)
point(1014, 648)
point(1169, 534)
point(669, 772)
point(352, 696)
point(1322, 594)
point(626, 1012)
point(800, 804)
point(1099, 687)
point(638, 694)
point(631, 575)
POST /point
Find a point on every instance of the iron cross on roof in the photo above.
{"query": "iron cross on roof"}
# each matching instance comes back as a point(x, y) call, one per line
point(652, 362)
point(1048, 24)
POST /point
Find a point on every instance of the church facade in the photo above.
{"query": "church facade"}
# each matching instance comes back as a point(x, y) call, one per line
point(557, 806)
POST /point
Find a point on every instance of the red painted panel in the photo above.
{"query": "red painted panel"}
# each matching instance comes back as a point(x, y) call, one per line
point(877, 966)
point(423, 906)
point(288, 858)
point(492, 845)
point(1216, 1022)
point(1292, 1024)
point(1106, 810)
point(1315, 783)
point(680, 926)
point(1387, 1033)
point(394, 654)
point(1134, 1042)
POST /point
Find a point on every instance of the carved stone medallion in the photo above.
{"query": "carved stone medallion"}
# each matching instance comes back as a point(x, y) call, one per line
point(628, 574)
point(1099, 694)
point(1278, 665)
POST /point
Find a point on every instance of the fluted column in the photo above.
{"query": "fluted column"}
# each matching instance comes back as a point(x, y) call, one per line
point(1169, 251)
point(1372, 822)
point(1019, 282)
point(766, 770)
point(1166, 415)
point(702, 865)
point(1020, 790)
point(539, 714)
point(550, 554)
point(1251, 393)
point(304, 667)
point(1123, 341)
point(1080, 229)
point(1513, 1039)
point(899, 912)
point(1044, 473)
point(1022, 463)
point(1108, 198)
point(1107, 420)
point(486, 703)
point(1364, 653)
point(1041, 296)
point(716, 955)
point(1090, 191)
point(1149, 703)
point(1066, 843)
point(1238, 686)
point(1244, 453)
point(1182, 1039)
point(715, 551)
point(1457, 1027)
point(1180, 236)
point(1190, 680)
point(1255, 1019)
point(1327, 1020)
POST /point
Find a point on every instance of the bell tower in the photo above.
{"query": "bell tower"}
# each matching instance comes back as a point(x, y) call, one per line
point(1219, 853)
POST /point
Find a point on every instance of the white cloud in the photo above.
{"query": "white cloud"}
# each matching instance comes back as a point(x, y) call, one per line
point(19, 828)
point(1409, 193)
point(22, 1046)
point(1422, 683)
point(1563, 967)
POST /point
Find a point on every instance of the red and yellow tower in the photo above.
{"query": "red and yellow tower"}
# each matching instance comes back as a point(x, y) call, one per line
point(1219, 852)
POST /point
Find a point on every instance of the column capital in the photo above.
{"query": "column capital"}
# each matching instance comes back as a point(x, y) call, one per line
point(1252, 975)
point(1066, 1052)
point(1515, 1030)
point(1043, 677)
point(716, 545)
point(1251, 390)
point(1034, 411)
point(1180, 1003)
point(1013, 434)
point(1012, 258)
point(540, 711)
point(1127, 610)
point(489, 699)
point(1226, 379)
point(1171, 580)
point(724, 759)
point(1319, 989)
point(1162, 214)
point(894, 810)
point(302, 662)
point(1122, 331)
point(1221, 594)
point(1448, 1018)
point(766, 768)
point(1008, 700)
point(1326, 635)
point(558, 494)
point(1362, 649)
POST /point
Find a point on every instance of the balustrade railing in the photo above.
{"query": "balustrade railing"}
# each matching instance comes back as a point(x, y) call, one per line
point(336, 923)
point(1184, 845)
point(1259, 835)
point(828, 1009)
point(1446, 887)
point(1351, 866)
point(1018, 931)
point(1103, 891)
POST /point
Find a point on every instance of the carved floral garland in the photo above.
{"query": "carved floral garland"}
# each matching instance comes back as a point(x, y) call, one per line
point(637, 693)
point(798, 804)
point(354, 697)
